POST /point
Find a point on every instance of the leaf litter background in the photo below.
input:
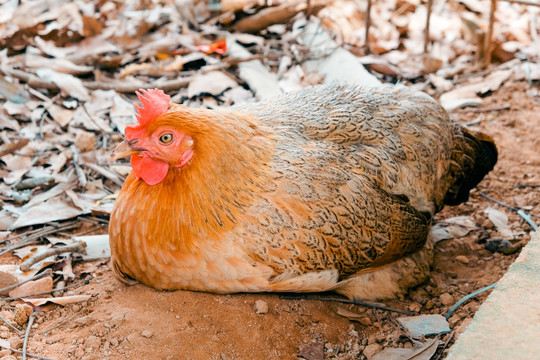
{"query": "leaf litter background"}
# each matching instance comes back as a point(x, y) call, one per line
point(68, 72)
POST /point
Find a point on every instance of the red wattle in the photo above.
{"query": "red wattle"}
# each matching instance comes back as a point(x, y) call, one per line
point(150, 170)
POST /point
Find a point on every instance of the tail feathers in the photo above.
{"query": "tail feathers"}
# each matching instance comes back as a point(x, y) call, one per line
point(474, 155)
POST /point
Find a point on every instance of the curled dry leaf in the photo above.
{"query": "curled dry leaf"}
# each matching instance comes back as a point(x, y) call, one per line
point(500, 220)
point(63, 300)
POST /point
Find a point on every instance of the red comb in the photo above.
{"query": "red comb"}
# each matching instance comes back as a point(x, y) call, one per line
point(154, 103)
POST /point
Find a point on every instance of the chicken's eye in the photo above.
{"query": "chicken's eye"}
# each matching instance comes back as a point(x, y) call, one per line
point(166, 138)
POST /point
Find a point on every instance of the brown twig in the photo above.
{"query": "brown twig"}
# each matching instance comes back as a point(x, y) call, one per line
point(489, 35)
point(79, 246)
point(368, 24)
point(426, 30)
point(345, 301)
point(481, 110)
point(28, 327)
point(524, 2)
point(66, 320)
point(47, 272)
point(9, 324)
point(498, 202)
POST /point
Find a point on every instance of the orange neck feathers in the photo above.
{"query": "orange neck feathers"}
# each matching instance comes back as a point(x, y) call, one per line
point(203, 199)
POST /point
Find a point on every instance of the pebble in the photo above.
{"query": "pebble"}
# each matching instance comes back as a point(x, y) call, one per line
point(8, 357)
point(79, 353)
point(22, 312)
point(15, 342)
point(446, 299)
point(462, 259)
point(132, 338)
point(372, 350)
point(114, 342)
point(261, 307)
point(415, 307)
point(147, 334)
point(92, 342)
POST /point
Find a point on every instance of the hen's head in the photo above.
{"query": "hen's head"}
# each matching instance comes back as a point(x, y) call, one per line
point(154, 146)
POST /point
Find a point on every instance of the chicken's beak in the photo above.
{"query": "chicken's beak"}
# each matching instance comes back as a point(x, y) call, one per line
point(123, 150)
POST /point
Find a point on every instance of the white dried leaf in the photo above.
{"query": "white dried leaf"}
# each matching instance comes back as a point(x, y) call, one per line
point(213, 83)
point(500, 220)
point(55, 209)
point(68, 83)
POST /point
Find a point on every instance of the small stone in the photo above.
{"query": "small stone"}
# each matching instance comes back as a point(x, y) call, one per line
point(502, 246)
point(415, 307)
point(5, 352)
point(22, 312)
point(75, 308)
point(79, 353)
point(312, 351)
point(4, 334)
point(446, 299)
point(92, 342)
point(147, 334)
point(487, 224)
point(15, 342)
point(372, 350)
point(114, 342)
point(132, 338)
point(8, 357)
point(261, 307)
point(85, 141)
point(85, 320)
point(462, 259)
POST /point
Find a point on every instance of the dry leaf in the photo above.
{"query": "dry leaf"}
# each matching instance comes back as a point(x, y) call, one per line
point(425, 351)
point(425, 325)
point(63, 300)
point(452, 228)
point(55, 209)
point(500, 220)
point(68, 83)
point(213, 83)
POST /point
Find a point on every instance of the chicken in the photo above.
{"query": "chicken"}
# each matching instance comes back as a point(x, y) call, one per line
point(330, 188)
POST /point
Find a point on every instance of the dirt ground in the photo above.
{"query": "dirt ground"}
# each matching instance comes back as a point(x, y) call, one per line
point(137, 322)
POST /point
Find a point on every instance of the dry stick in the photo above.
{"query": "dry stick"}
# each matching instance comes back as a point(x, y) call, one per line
point(368, 24)
point(347, 301)
point(28, 354)
point(9, 324)
point(445, 345)
point(487, 43)
point(66, 320)
point(47, 272)
point(36, 234)
point(426, 30)
point(79, 246)
point(25, 343)
point(523, 2)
